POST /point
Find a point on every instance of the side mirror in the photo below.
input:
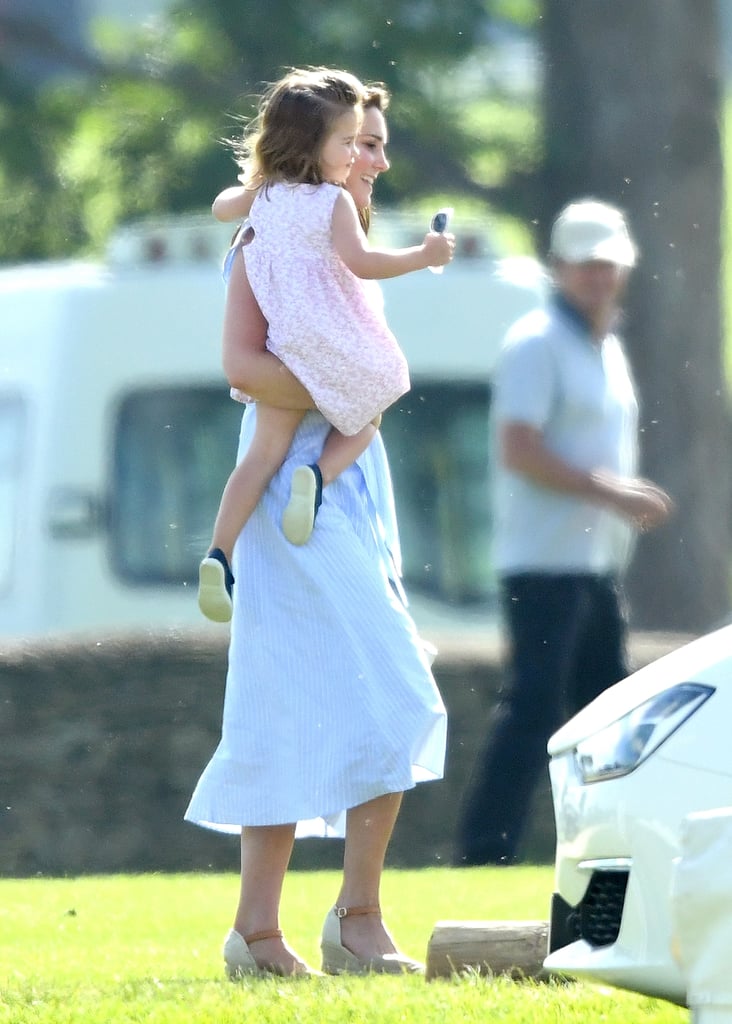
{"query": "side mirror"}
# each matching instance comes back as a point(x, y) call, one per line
point(75, 514)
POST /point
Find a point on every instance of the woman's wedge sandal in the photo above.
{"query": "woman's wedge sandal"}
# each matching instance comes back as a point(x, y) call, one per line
point(338, 959)
point(239, 960)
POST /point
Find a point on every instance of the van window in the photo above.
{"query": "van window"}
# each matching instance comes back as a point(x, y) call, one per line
point(12, 459)
point(437, 439)
point(173, 451)
point(175, 447)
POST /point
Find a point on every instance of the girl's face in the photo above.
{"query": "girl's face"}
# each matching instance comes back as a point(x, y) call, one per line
point(371, 159)
point(340, 149)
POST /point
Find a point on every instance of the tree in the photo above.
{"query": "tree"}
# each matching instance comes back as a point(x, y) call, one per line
point(136, 128)
point(632, 108)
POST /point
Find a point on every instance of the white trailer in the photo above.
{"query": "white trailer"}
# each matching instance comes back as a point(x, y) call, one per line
point(117, 432)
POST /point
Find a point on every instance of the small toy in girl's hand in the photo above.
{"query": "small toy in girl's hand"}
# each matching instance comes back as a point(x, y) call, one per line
point(439, 223)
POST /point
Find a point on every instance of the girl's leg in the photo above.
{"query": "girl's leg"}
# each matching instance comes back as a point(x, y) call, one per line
point(272, 438)
point(244, 488)
point(265, 855)
point(339, 452)
point(368, 830)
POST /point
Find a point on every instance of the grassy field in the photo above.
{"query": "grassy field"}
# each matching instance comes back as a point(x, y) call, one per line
point(119, 949)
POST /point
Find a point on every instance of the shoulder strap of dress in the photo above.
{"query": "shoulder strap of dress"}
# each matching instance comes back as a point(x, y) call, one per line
point(242, 236)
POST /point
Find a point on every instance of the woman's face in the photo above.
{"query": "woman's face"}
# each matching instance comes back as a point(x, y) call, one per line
point(371, 159)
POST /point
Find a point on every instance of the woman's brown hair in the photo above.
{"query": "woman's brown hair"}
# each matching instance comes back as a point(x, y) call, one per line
point(375, 95)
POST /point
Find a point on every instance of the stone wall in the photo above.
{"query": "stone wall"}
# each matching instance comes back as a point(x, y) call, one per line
point(101, 743)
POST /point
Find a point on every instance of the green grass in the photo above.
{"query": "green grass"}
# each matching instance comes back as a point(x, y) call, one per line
point(112, 950)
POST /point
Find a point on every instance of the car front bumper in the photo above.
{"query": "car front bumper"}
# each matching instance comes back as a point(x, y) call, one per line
point(616, 842)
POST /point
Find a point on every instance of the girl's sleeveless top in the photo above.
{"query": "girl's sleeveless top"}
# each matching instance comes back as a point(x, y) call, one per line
point(325, 324)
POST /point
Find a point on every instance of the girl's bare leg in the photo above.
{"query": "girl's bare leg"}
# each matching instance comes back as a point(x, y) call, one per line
point(339, 452)
point(272, 439)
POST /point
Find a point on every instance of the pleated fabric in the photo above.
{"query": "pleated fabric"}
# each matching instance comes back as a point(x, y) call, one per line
point(330, 700)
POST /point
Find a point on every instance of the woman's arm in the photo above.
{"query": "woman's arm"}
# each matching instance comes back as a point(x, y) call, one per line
point(353, 248)
point(247, 363)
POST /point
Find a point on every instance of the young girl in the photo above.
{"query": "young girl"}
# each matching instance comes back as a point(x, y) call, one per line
point(306, 256)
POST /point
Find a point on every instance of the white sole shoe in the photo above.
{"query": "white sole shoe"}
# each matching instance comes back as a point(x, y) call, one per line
point(298, 518)
point(213, 597)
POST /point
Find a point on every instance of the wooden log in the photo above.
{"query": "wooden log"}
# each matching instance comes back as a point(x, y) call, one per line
point(514, 948)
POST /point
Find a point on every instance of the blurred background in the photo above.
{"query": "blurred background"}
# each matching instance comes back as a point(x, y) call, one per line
point(112, 116)
point(116, 428)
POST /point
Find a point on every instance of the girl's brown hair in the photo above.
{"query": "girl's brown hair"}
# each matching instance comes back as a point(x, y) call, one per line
point(295, 116)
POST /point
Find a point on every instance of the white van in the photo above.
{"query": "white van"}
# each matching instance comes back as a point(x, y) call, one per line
point(117, 432)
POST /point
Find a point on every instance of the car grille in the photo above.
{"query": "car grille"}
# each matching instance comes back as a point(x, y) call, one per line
point(601, 909)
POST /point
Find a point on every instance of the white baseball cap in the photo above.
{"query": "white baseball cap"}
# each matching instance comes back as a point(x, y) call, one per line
point(591, 230)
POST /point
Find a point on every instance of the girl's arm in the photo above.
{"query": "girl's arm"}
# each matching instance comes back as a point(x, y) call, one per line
point(247, 363)
point(233, 203)
point(353, 248)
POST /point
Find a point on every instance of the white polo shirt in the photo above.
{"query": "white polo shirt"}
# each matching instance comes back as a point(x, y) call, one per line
point(554, 376)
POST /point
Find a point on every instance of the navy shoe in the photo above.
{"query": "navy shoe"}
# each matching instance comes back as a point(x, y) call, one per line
point(306, 496)
point(215, 583)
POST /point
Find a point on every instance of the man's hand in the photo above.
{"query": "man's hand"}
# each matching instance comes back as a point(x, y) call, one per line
point(643, 503)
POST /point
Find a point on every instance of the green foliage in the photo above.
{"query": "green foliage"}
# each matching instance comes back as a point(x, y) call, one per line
point(501, 137)
point(386, 39)
point(520, 12)
point(140, 133)
point(122, 949)
point(34, 208)
point(124, 167)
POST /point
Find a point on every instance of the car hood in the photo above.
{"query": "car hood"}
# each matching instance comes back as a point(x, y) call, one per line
point(706, 660)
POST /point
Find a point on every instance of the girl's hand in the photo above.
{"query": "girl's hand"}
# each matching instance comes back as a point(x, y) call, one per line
point(438, 249)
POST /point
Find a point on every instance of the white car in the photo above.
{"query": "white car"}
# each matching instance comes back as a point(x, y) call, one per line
point(625, 772)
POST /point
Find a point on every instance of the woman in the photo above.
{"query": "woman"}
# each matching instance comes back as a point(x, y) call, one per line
point(331, 711)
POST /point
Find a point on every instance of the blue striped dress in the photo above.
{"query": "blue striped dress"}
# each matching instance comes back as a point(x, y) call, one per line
point(330, 700)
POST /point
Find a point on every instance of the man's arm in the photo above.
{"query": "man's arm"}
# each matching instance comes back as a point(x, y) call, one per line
point(523, 451)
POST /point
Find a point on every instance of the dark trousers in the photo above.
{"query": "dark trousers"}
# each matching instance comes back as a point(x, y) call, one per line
point(567, 644)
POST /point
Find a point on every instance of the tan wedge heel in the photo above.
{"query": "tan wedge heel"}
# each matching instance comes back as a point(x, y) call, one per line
point(338, 959)
point(239, 960)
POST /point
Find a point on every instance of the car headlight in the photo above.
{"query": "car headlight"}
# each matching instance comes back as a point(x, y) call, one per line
point(619, 748)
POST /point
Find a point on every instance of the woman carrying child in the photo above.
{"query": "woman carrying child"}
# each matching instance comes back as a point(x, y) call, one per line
point(313, 274)
point(331, 711)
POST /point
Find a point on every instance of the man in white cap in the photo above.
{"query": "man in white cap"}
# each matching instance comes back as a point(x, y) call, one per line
point(568, 501)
